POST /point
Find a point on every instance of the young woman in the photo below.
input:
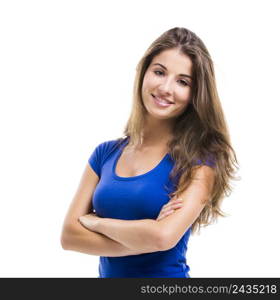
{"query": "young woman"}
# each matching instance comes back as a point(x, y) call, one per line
point(142, 195)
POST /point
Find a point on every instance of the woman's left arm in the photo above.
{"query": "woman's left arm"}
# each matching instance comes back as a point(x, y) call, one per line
point(161, 234)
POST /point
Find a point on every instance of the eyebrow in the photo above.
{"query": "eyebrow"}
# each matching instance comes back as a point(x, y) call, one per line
point(185, 75)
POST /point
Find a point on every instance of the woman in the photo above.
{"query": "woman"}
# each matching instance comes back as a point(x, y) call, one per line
point(142, 195)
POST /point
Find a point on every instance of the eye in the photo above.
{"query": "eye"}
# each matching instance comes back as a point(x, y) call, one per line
point(184, 82)
point(157, 72)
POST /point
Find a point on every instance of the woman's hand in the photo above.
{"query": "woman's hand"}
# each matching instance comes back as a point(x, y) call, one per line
point(169, 208)
point(89, 221)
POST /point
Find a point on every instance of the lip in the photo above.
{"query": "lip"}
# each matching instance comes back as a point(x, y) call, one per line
point(159, 103)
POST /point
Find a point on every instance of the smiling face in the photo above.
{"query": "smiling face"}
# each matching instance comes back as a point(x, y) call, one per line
point(166, 89)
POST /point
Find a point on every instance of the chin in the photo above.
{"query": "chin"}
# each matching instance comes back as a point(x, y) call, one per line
point(162, 116)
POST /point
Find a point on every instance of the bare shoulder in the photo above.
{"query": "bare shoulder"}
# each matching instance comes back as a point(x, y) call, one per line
point(204, 175)
point(194, 199)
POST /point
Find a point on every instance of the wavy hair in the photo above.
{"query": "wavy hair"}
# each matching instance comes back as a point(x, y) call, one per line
point(200, 132)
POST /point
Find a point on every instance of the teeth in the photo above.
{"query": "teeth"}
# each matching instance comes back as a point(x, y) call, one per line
point(163, 101)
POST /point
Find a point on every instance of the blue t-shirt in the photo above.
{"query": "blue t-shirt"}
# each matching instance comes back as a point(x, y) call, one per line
point(134, 198)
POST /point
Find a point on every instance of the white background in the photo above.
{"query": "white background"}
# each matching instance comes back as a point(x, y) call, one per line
point(66, 74)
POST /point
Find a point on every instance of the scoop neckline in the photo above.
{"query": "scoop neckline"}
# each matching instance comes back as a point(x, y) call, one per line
point(120, 151)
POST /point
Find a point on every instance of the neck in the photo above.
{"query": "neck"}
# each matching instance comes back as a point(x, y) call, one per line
point(157, 132)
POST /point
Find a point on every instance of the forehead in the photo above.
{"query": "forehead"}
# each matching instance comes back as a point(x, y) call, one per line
point(174, 60)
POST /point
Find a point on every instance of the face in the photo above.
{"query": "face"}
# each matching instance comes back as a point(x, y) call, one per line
point(166, 89)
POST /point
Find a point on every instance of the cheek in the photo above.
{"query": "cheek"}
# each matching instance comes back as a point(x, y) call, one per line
point(183, 100)
point(149, 82)
point(184, 97)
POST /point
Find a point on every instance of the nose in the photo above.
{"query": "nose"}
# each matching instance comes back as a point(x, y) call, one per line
point(166, 86)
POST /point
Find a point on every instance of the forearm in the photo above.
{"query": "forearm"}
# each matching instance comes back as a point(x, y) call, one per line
point(142, 235)
point(77, 238)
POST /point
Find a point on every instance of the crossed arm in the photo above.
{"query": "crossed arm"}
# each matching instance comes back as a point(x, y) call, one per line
point(75, 237)
point(149, 235)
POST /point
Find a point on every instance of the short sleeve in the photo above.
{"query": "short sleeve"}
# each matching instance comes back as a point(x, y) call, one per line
point(95, 159)
point(210, 161)
point(99, 155)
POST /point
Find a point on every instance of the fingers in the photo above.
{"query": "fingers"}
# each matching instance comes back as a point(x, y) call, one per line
point(165, 214)
point(172, 203)
point(175, 200)
point(170, 207)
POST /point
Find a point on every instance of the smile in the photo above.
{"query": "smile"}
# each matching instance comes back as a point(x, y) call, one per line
point(161, 102)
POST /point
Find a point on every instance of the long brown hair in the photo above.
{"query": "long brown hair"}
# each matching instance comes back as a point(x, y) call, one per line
point(200, 132)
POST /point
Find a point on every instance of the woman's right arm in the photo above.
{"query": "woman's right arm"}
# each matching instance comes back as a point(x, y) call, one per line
point(75, 237)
